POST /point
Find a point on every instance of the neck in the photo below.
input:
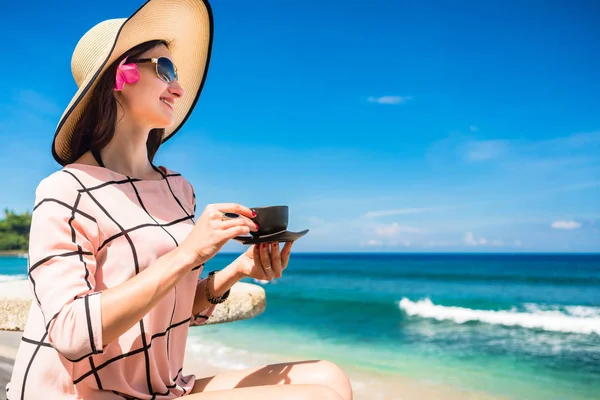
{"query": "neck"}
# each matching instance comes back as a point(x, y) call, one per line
point(126, 153)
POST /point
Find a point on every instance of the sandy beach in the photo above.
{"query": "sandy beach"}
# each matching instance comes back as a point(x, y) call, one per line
point(366, 385)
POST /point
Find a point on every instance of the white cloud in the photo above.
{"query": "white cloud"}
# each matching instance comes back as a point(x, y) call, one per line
point(573, 141)
point(542, 155)
point(580, 185)
point(401, 211)
point(565, 225)
point(483, 150)
point(389, 243)
point(316, 220)
point(387, 230)
point(438, 243)
point(394, 229)
point(389, 99)
point(471, 240)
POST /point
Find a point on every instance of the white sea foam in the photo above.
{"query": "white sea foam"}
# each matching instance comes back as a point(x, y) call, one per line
point(584, 312)
point(575, 311)
point(217, 355)
point(8, 278)
point(220, 355)
point(551, 320)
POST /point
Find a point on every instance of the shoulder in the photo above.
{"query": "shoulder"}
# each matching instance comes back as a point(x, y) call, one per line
point(69, 183)
point(177, 178)
point(58, 183)
point(62, 208)
point(56, 191)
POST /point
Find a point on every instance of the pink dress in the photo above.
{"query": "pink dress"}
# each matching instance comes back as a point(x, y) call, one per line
point(93, 229)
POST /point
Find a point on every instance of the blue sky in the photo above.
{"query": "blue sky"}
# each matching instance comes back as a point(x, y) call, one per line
point(385, 125)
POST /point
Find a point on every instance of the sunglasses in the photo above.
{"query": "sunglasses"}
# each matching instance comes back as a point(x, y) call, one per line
point(165, 69)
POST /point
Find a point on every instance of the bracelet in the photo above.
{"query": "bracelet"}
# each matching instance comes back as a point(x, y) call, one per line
point(212, 299)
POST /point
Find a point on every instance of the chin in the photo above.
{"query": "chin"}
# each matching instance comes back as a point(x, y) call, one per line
point(163, 125)
point(162, 121)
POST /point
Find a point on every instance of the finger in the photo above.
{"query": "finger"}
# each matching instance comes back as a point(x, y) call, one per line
point(285, 255)
point(215, 215)
point(240, 221)
point(276, 259)
point(235, 208)
point(237, 230)
point(258, 271)
point(265, 261)
point(255, 253)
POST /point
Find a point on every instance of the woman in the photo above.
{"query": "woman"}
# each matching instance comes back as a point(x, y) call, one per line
point(116, 252)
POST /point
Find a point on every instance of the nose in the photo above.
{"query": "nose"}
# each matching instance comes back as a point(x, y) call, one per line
point(175, 89)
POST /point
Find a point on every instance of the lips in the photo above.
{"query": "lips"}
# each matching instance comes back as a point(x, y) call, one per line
point(168, 102)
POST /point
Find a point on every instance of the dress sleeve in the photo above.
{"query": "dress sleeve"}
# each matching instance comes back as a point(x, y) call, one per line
point(62, 264)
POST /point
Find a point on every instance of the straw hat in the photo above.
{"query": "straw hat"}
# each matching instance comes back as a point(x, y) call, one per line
point(186, 24)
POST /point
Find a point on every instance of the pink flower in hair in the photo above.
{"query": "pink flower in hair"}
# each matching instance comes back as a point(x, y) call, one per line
point(126, 73)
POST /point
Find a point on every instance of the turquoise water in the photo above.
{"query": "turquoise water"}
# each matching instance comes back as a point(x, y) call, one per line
point(522, 326)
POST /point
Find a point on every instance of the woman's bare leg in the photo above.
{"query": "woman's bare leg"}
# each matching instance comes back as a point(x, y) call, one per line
point(287, 392)
point(314, 372)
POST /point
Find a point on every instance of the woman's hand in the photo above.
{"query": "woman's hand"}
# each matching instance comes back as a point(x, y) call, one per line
point(264, 261)
point(211, 232)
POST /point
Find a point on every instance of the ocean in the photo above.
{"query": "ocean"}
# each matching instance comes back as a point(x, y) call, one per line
point(522, 326)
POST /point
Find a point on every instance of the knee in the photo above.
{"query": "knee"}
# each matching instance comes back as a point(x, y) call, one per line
point(327, 393)
point(314, 392)
point(331, 375)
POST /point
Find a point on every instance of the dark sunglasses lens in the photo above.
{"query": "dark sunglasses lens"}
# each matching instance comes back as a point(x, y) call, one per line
point(165, 69)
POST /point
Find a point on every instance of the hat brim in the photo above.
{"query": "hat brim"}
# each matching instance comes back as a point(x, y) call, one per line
point(187, 25)
point(286, 236)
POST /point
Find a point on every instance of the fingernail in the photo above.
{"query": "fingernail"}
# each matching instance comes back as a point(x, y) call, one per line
point(256, 225)
point(253, 213)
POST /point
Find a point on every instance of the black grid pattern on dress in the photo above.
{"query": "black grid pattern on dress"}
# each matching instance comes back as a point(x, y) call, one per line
point(76, 213)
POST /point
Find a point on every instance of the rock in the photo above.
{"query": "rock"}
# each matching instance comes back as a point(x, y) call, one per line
point(245, 301)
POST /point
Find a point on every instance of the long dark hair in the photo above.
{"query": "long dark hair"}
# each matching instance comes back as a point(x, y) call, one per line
point(96, 127)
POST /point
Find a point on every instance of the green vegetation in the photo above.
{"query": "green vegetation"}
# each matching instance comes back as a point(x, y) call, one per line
point(14, 231)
